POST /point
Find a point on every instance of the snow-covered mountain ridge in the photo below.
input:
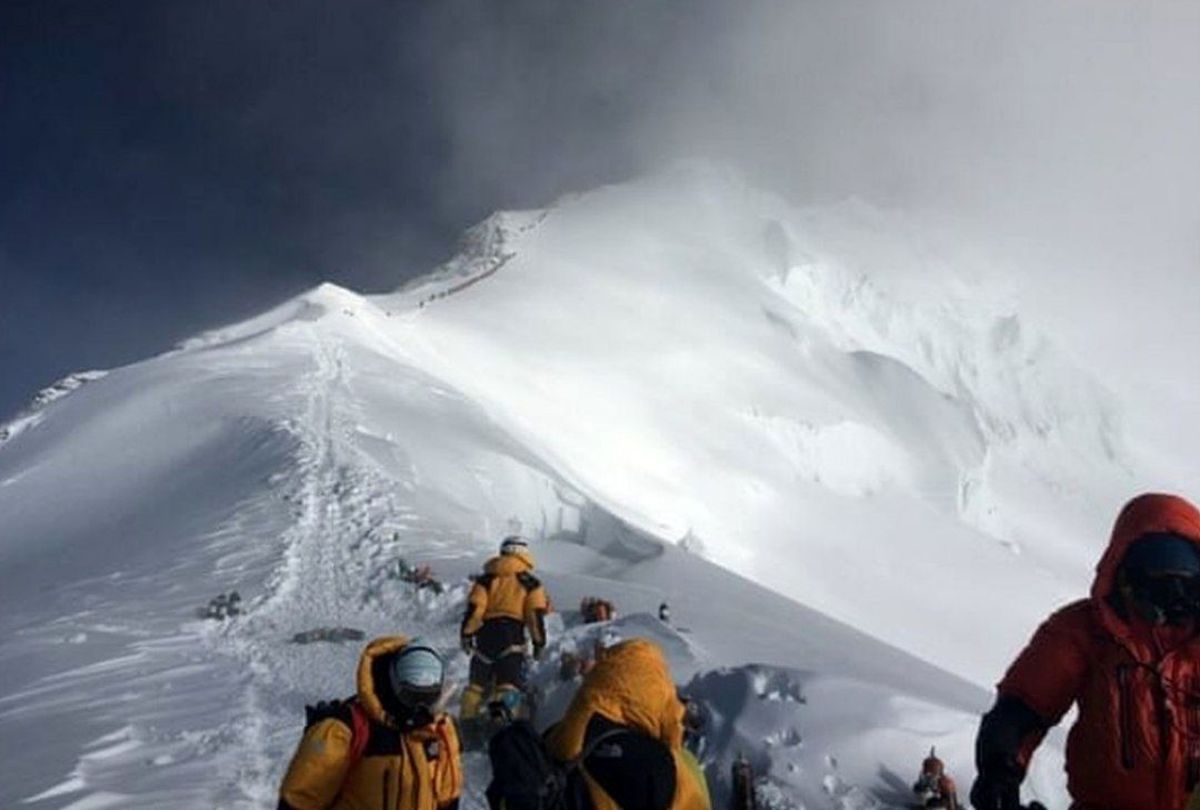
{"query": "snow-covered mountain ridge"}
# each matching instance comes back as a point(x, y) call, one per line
point(718, 366)
point(33, 414)
point(912, 469)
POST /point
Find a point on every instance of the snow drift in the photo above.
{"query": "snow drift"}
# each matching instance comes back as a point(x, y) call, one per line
point(858, 488)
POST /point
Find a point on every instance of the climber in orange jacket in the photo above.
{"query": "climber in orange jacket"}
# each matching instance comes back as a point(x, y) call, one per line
point(1129, 657)
point(934, 788)
point(629, 701)
point(387, 748)
point(506, 603)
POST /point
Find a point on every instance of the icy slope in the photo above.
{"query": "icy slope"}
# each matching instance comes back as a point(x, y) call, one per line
point(295, 463)
point(140, 496)
point(910, 469)
point(811, 397)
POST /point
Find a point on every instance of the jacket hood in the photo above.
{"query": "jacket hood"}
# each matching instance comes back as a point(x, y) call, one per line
point(510, 564)
point(631, 685)
point(368, 692)
point(1145, 514)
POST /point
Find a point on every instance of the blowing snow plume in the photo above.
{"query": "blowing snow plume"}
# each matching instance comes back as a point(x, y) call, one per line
point(1058, 139)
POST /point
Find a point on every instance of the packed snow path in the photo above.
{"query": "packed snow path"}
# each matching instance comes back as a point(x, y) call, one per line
point(350, 529)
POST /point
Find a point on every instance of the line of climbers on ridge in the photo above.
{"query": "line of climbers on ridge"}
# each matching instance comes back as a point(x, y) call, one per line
point(1127, 656)
point(392, 746)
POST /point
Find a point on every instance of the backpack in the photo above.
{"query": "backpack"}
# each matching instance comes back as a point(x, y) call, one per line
point(346, 711)
point(525, 776)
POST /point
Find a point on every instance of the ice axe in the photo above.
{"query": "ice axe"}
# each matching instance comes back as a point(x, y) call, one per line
point(743, 784)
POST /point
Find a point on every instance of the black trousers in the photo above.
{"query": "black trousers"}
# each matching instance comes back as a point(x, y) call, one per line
point(507, 670)
point(500, 656)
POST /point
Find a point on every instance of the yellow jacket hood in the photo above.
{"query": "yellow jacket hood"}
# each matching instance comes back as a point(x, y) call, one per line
point(510, 564)
point(630, 685)
point(368, 697)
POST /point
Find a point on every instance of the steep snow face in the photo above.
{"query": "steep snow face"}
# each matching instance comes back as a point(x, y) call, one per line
point(294, 460)
point(283, 459)
point(910, 469)
point(801, 394)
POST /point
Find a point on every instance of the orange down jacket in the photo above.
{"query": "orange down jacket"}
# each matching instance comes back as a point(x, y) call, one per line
point(1136, 742)
point(418, 769)
point(508, 590)
point(631, 685)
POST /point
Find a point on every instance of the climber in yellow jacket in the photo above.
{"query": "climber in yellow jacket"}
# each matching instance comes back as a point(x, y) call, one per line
point(630, 700)
point(389, 747)
point(506, 603)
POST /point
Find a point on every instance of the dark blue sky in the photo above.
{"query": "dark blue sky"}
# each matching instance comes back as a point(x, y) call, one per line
point(168, 166)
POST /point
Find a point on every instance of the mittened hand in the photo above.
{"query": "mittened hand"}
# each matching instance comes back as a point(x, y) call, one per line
point(996, 792)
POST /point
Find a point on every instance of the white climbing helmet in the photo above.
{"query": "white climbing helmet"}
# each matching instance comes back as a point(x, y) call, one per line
point(513, 545)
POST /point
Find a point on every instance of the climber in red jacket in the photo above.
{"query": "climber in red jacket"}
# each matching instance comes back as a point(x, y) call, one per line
point(1129, 657)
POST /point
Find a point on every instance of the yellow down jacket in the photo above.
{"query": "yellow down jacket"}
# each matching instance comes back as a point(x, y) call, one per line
point(631, 685)
point(416, 769)
point(508, 590)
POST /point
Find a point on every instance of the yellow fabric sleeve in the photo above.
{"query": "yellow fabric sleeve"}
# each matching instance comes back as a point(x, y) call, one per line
point(536, 602)
point(447, 773)
point(314, 777)
point(690, 793)
point(477, 601)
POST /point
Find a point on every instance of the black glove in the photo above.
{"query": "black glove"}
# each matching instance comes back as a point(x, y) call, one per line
point(996, 792)
point(468, 644)
point(1001, 734)
point(329, 709)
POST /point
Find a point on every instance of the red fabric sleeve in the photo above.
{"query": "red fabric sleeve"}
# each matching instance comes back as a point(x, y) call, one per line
point(1048, 674)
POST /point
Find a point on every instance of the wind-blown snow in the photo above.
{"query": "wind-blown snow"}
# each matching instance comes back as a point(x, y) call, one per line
point(784, 387)
point(859, 491)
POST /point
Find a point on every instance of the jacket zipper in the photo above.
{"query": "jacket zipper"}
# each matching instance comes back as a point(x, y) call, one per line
point(1193, 728)
point(1125, 712)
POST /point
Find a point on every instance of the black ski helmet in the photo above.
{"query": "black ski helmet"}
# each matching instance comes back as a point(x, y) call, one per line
point(417, 675)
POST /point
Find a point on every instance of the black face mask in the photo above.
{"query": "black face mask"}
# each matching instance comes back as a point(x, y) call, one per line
point(416, 707)
point(1165, 598)
point(407, 715)
point(416, 716)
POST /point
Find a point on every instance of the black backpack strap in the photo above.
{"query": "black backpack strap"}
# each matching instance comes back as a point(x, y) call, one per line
point(589, 749)
point(528, 581)
point(641, 772)
point(340, 710)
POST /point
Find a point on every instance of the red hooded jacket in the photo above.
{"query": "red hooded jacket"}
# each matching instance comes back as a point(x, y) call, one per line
point(1136, 743)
